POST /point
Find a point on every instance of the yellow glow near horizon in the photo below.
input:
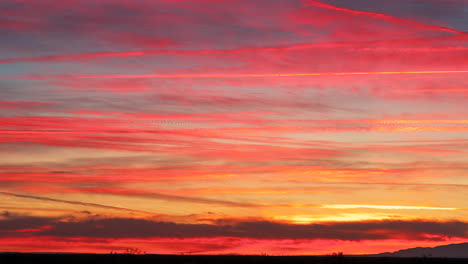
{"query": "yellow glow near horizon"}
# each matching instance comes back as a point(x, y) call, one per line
point(307, 219)
point(387, 207)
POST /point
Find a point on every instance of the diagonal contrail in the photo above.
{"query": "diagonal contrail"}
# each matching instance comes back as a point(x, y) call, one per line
point(380, 16)
point(75, 202)
point(158, 196)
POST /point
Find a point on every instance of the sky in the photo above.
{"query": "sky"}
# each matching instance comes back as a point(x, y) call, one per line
point(280, 127)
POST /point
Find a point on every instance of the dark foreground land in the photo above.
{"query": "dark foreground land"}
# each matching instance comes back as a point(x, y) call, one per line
point(19, 258)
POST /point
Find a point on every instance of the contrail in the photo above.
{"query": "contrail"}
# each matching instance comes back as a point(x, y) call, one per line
point(177, 198)
point(380, 16)
point(157, 196)
point(299, 46)
point(198, 76)
point(168, 197)
point(75, 202)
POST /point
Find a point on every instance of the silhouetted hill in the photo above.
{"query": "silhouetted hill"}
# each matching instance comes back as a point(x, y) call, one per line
point(446, 251)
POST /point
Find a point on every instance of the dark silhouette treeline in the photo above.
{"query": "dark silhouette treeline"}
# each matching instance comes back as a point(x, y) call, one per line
point(57, 258)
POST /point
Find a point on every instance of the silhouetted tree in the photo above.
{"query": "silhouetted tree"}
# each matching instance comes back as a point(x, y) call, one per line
point(134, 251)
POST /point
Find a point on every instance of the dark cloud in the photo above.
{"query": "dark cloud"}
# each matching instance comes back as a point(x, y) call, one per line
point(5, 214)
point(50, 24)
point(114, 228)
point(140, 228)
point(11, 223)
point(91, 26)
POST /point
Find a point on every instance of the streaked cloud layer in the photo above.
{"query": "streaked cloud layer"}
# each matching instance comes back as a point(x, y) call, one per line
point(219, 127)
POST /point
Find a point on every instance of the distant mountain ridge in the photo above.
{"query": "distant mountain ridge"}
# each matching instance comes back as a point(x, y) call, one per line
point(449, 251)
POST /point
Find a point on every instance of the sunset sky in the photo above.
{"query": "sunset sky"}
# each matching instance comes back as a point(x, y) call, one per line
point(284, 127)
